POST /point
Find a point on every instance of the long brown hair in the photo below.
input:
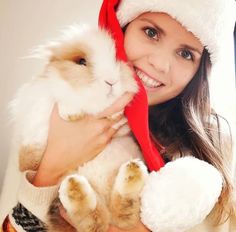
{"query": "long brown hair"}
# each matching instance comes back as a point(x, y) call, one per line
point(187, 122)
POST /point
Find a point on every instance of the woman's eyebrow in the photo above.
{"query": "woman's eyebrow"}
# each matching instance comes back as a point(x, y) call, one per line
point(154, 24)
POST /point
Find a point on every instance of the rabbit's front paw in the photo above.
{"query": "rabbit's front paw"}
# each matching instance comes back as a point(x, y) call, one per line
point(125, 202)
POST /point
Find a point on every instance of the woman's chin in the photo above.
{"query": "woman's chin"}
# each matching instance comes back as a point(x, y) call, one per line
point(153, 95)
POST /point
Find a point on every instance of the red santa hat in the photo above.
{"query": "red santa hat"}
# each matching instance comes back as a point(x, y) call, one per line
point(208, 20)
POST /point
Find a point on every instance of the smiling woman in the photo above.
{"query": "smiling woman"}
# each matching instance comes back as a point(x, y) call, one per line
point(154, 35)
point(173, 47)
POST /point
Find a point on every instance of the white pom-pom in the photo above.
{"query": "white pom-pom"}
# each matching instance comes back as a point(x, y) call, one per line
point(180, 195)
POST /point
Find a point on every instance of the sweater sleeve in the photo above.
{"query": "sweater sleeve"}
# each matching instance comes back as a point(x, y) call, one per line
point(36, 199)
point(33, 202)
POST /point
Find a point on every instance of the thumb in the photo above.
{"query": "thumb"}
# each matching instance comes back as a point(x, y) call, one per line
point(64, 215)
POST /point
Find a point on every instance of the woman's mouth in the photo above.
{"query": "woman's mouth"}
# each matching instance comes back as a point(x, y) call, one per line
point(147, 81)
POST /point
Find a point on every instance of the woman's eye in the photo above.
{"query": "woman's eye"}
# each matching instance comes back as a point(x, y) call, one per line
point(151, 33)
point(80, 61)
point(186, 54)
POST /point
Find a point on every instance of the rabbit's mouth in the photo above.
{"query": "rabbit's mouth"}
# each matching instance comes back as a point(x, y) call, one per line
point(110, 93)
point(110, 85)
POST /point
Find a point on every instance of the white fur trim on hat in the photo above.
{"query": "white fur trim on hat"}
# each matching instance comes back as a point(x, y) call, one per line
point(208, 20)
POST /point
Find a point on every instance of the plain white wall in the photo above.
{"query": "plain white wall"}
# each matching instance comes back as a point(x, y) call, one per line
point(25, 24)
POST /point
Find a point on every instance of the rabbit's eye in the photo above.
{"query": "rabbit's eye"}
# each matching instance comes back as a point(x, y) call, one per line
point(80, 61)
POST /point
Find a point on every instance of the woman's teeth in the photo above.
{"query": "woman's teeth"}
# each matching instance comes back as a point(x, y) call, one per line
point(149, 82)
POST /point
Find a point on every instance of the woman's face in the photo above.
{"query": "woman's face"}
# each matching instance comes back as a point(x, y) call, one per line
point(164, 54)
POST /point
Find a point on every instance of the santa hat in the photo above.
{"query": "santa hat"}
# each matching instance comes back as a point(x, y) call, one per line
point(208, 20)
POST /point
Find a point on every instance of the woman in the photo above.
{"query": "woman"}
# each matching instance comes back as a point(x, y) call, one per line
point(171, 45)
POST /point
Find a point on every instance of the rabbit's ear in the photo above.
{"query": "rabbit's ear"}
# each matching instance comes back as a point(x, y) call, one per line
point(52, 54)
point(54, 50)
point(55, 53)
point(45, 52)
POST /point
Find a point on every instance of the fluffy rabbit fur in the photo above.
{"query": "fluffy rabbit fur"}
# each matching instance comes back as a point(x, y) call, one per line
point(83, 77)
point(106, 189)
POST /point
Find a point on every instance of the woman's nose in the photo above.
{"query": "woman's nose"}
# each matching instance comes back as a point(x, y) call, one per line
point(161, 62)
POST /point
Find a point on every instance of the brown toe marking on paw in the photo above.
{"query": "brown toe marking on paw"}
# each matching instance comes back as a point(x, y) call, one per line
point(133, 172)
point(75, 190)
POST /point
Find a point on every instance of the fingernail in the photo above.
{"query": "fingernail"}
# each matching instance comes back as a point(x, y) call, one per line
point(117, 115)
point(120, 123)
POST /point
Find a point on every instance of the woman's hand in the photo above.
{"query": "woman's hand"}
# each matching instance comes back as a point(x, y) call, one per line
point(71, 144)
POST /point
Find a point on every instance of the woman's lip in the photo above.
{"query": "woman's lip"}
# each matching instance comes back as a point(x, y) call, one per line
point(149, 82)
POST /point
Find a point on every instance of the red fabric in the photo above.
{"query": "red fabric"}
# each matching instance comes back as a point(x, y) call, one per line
point(137, 112)
point(7, 226)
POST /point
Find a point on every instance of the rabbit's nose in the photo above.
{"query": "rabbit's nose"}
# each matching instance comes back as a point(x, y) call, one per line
point(111, 83)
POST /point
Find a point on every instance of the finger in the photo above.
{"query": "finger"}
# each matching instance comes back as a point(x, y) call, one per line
point(64, 214)
point(117, 106)
point(55, 116)
point(55, 113)
point(101, 125)
point(116, 115)
point(115, 127)
point(55, 119)
point(116, 123)
point(120, 123)
point(115, 118)
point(110, 133)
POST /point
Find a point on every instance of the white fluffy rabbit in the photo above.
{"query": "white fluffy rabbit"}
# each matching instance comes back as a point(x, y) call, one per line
point(83, 77)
